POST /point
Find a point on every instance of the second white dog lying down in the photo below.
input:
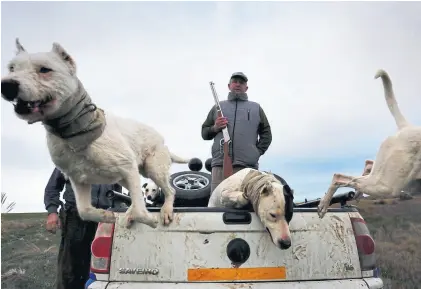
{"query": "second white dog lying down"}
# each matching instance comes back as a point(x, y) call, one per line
point(271, 200)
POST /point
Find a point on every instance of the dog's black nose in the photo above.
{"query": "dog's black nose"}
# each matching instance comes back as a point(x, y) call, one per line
point(149, 198)
point(10, 89)
point(284, 244)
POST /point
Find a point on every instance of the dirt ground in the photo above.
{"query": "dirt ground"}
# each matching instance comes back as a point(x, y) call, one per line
point(29, 252)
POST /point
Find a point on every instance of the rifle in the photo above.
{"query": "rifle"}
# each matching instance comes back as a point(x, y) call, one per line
point(226, 140)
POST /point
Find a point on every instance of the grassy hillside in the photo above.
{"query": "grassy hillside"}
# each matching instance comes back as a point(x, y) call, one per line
point(29, 253)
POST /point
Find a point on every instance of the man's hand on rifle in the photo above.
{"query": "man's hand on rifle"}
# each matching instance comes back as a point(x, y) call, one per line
point(220, 123)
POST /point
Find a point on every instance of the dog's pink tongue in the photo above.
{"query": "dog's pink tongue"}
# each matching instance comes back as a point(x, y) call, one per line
point(35, 109)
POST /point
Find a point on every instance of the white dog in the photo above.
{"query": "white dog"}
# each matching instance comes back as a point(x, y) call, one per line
point(151, 190)
point(85, 143)
point(398, 161)
point(271, 200)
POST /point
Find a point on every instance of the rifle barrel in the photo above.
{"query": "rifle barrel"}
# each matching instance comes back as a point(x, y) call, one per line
point(215, 96)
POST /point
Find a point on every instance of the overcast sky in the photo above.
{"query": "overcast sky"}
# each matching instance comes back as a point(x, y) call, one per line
point(310, 65)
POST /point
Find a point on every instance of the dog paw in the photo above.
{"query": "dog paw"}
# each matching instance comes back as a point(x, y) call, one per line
point(321, 209)
point(109, 217)
point(132, 216)
point(127, 220)
point(149, 219)
point(167, 214)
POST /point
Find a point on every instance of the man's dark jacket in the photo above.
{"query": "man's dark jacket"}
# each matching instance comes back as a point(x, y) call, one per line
point(57, 183)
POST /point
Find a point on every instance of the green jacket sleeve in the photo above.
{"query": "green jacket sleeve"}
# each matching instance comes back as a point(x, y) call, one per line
point(265, 133)
point(207, 127)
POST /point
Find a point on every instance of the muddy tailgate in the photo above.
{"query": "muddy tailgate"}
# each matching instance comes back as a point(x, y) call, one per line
point(194, 248)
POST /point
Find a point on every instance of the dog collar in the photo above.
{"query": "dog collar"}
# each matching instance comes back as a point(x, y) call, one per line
point(245, 196)
point(81, 125)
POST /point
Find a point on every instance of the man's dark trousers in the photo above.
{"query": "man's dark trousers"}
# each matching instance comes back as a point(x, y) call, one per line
point(74, 256)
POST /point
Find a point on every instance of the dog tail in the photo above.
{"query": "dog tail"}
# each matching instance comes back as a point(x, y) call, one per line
point(401, 122)
point(178, 160)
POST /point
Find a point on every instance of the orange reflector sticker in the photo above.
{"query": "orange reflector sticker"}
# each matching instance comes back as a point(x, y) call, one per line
point(228, 274)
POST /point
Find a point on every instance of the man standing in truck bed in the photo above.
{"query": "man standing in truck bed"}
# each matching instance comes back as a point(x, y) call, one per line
point(74, 256)
point(248, 128)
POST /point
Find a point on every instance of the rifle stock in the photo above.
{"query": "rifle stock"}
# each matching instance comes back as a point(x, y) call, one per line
point(227, 162)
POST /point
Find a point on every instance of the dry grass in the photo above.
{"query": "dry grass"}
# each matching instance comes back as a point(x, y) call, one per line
point(10, 226)
point(28, 252)
point(396, 227)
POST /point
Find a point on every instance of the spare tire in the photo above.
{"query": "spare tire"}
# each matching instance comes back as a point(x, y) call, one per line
point(191, 188)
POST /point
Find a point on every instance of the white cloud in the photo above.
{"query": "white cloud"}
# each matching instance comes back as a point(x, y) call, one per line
point(310, 65)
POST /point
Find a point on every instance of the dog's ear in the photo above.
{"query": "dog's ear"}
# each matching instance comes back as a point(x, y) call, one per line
point(19, 47)
point(144, 185)
point(288, 191)
point(57, 48)
point(267, 190)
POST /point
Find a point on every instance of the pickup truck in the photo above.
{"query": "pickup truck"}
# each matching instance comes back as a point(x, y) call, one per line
point(229, 248)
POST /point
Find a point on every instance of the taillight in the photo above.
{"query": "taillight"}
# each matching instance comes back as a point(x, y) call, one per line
point(365, 244)
point(101, 248)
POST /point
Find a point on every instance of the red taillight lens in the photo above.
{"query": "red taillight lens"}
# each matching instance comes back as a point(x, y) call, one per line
point(365, 244)
point(101, 248)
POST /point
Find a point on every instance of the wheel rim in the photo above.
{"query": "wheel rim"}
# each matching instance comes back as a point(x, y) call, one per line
point(190, 182)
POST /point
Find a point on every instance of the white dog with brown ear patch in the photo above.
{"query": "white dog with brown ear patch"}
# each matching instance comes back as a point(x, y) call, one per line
point(398, 161)
point(85, 143)
point(271, 200)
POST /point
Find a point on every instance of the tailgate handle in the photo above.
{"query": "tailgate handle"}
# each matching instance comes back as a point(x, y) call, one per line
point(235, 218)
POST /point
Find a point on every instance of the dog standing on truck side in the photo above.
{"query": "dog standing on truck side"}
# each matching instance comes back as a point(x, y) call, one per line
point(397, 163)
point(85, 143)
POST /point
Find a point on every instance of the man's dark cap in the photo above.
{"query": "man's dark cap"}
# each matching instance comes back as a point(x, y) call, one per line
point(240, 75)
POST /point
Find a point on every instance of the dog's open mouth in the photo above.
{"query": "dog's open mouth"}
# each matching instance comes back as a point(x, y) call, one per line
point(28, 107)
